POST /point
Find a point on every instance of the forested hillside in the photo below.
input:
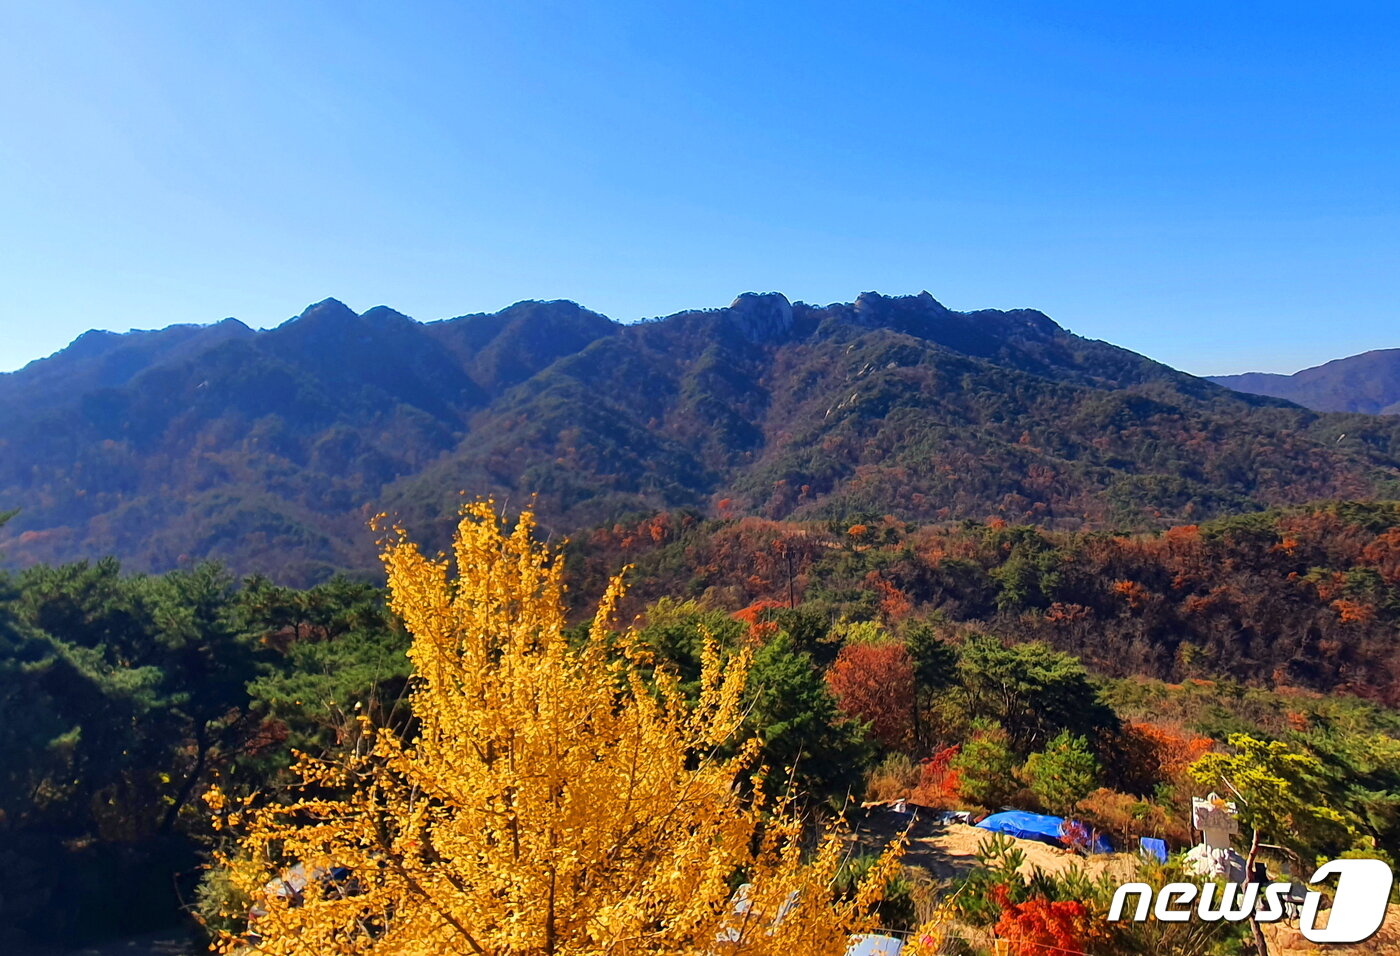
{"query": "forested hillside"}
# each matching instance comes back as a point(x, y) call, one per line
point(1304, 597)
point(269, 450)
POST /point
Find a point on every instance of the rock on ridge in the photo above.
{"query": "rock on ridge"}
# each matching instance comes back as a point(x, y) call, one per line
point(762, 316)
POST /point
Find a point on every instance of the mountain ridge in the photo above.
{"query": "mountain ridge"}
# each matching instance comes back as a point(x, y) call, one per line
point(1368, 382)
point(269, 450)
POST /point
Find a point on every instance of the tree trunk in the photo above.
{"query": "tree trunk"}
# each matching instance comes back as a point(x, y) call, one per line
point(792, 596)
point(201, 740)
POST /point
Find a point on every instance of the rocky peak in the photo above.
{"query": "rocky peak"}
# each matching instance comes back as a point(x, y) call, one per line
point(762, 316)
point(92, 342)
point(381, 316)
point(231, 326)
point(327, 310)
point(322, 324)
point(927, 300)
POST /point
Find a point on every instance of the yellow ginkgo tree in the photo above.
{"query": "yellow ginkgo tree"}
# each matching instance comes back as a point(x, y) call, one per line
point(549, 797)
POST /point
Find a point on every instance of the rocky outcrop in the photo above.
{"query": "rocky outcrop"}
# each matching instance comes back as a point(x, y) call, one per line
point(762, 316)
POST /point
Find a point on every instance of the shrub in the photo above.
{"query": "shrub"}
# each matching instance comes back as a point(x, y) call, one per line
point(892, 778)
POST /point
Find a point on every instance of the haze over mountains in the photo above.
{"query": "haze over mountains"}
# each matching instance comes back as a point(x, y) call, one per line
point(271, 450)
point(1369, 382)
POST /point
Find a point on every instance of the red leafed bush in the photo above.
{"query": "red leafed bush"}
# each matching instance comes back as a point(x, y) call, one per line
point(1038, 927)
point(938, 780)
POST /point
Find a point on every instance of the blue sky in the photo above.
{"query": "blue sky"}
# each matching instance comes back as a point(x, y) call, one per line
point(1211, 184)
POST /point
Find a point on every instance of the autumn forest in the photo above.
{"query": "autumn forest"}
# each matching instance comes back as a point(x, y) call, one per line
point(961, 666)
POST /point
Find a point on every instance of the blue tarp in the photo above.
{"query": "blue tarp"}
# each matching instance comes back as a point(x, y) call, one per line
point(1036, 826)
point(1157, 848)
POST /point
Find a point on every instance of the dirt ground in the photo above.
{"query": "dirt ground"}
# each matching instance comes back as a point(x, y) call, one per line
point(950, 850)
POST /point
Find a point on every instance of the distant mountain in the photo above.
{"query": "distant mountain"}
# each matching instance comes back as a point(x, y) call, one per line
point(98, 360)
point(1369, 383)
point(270, 450)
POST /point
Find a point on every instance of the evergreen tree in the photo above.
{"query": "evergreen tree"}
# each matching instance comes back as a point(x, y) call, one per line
point(804, 733)
point(1063, 773)
point(1032, 691)
point(986, 766)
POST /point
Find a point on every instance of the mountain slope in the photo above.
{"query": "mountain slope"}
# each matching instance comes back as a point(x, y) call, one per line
point(262, 450)
point(270, 450)
point(1369, 383)
point(98, 360)
point(887, 405)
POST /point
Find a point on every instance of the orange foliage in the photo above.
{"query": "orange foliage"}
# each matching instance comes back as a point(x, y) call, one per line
point(875, 683)
point(1353, 612)
point(894, 603)
point(1384, 554)
point(1331, 585)
point(1038, 926)
point(1199, 604)
point(657, 529)
point(1061, 613)
point(1123, 815)
point(1160, 753)
point(938, 780)
point(1324, 529)
point(1135, 594)
point(754, 616)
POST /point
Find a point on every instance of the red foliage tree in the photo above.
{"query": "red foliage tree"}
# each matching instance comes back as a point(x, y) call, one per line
point(875, 683)
point(938, 779)
point(1038, 926)
point(756, 616)
point(1384, 555)
point(894, 603)
point(1156, 754)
